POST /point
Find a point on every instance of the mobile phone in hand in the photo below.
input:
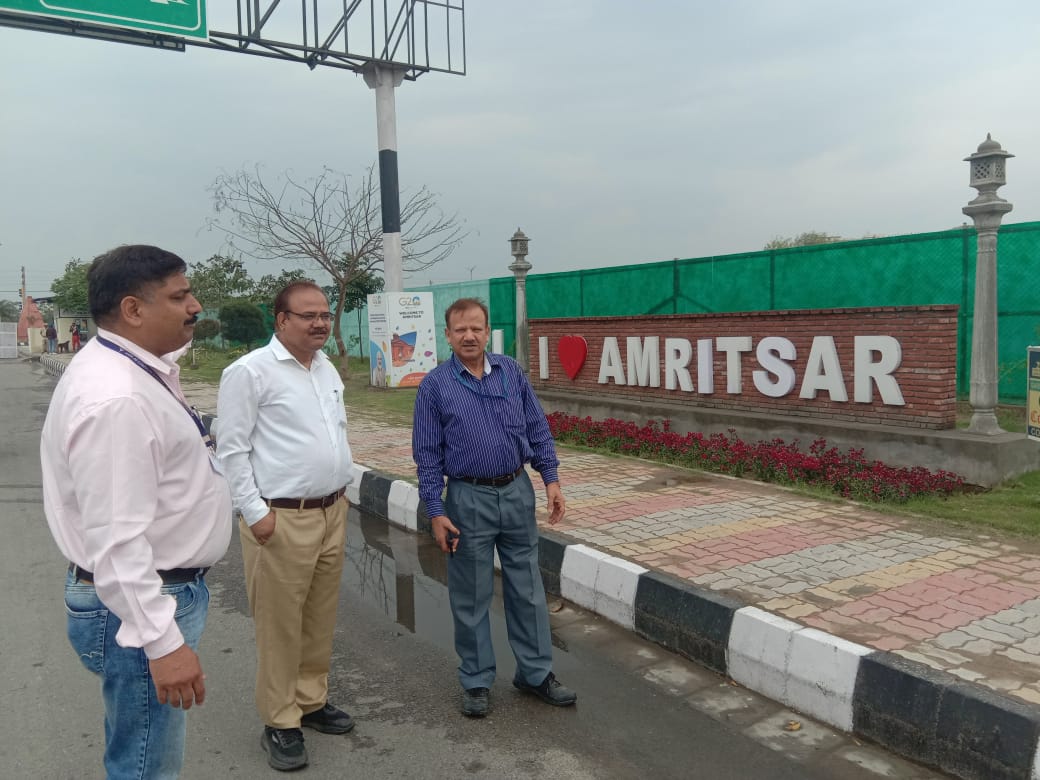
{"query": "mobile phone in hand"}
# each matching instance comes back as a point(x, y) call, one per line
point(451, 537)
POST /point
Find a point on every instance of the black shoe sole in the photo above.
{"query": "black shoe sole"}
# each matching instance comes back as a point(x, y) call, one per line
point(275, 763)
point(325, 728)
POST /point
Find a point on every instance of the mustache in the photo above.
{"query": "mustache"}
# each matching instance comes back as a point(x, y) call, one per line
point(192, 320)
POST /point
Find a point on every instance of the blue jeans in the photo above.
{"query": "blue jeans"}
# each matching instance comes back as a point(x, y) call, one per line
point(144, 740)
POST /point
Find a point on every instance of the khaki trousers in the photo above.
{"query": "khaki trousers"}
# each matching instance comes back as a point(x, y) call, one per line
point(293, 588)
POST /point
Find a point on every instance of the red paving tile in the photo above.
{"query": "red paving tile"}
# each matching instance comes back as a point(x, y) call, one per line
point(903, 618)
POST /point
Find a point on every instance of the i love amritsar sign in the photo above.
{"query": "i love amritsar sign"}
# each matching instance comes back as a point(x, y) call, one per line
point(184, 18)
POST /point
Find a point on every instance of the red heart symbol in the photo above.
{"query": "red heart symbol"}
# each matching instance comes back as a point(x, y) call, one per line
point(572, 350)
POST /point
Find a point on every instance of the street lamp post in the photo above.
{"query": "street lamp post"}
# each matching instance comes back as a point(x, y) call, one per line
point(987, 210)
point(520, 267)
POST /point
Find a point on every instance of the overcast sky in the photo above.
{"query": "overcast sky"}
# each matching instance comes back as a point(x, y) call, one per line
point(611, 132)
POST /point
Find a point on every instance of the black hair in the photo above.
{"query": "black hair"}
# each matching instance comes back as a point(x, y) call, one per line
point(127, 270)
point(281, 301)
point(465, 304)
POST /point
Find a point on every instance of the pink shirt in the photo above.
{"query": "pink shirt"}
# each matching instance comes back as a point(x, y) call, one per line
point(129, 487)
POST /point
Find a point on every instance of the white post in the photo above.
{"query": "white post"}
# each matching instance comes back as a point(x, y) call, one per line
point(384, 80)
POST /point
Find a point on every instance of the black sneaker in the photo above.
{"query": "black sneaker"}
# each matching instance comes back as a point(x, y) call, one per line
point(475, 702)
point(328, 720)
point(284, 748)
point(550, 691)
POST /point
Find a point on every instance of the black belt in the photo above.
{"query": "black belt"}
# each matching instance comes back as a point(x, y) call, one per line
point(305, 503)
point(168, 576)
point(501, 481)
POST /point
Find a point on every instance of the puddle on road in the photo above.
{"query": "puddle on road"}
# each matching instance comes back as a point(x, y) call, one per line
point(405, 576)
point(667, 479)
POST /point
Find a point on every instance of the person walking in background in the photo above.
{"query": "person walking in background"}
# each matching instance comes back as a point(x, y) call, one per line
point(135, 502)
point(477, 422)
point(52, 338)
point(283, 444)
point(74, 335)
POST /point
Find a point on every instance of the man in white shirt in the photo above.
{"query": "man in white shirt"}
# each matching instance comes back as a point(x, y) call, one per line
point(282, 440)
point(135, 502)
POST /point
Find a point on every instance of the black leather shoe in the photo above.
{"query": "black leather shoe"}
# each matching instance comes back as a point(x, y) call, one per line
point(475, 702)
point(550, 691)
point(284, 748)
point(328, 720)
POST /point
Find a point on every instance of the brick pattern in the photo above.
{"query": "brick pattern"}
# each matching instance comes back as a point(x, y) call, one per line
point(926, 375)
point(971, 608)
point(965, 604)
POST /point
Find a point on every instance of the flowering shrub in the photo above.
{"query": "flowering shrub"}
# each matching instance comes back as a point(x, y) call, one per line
point(847, 473)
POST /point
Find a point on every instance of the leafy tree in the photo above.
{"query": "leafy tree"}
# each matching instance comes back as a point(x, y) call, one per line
point(207, 329)
point(811, 238)
point(70, 289)
point(269, 285)
point(355, 297)
point(219, 279)
point(8, 311)
point(243, 322)
point(326, 222)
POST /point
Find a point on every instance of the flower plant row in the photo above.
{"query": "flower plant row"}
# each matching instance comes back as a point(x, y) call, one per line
point(847, 473)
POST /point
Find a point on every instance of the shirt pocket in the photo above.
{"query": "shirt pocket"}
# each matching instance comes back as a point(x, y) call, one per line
point(511, 412)
point(333, 408)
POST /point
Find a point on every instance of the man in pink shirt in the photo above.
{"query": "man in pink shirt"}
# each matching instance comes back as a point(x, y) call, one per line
point(136, 503)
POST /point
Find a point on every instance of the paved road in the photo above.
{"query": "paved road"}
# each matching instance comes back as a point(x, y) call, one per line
point(642, 713)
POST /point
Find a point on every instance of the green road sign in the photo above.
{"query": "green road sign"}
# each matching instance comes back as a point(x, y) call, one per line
point(185, 18)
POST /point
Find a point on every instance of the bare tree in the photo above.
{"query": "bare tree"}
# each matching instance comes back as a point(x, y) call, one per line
point(323, 221)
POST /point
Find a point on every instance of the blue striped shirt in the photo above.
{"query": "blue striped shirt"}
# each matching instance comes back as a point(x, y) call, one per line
point(469, 427)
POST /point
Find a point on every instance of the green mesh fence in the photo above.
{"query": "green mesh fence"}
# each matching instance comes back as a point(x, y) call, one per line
point(912, 270)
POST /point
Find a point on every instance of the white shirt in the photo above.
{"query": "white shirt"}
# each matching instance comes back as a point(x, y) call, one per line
point(129, 487)
point(281, 429)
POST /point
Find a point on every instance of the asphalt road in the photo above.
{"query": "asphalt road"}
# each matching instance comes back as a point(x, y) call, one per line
point(642, 712)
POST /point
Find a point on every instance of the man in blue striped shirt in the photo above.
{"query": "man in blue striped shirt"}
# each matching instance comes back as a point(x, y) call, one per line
point(477, 422)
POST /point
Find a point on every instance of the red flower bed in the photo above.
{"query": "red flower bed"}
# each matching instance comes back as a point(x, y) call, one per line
point(847, 473)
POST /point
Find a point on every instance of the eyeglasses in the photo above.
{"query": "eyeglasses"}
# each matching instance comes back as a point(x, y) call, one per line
point(311, 316)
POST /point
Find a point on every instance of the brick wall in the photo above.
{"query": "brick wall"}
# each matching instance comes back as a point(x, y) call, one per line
point(926, 374)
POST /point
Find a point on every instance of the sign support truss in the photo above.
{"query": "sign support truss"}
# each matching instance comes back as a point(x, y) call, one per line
point(345, 34)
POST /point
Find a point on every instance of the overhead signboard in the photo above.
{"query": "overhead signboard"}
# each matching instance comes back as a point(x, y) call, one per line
point(185, 18)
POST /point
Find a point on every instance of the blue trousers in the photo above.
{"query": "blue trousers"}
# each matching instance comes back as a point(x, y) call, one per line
point(144, 740)
point(502, 518)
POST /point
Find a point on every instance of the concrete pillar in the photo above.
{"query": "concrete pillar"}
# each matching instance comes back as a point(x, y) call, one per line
point(520, 267)
point(384, 79)
point(987, 210)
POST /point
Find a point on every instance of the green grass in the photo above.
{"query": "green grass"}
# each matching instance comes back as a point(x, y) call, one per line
point(1012, 507)
point(1010, 418)
point(395, 406)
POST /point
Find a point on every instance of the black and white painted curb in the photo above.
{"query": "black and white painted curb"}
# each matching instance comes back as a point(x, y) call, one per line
point(52, 365)
point(913, 710)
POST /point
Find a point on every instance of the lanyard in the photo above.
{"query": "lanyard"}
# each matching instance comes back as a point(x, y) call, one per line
point(155, 375)
point(478, 387)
